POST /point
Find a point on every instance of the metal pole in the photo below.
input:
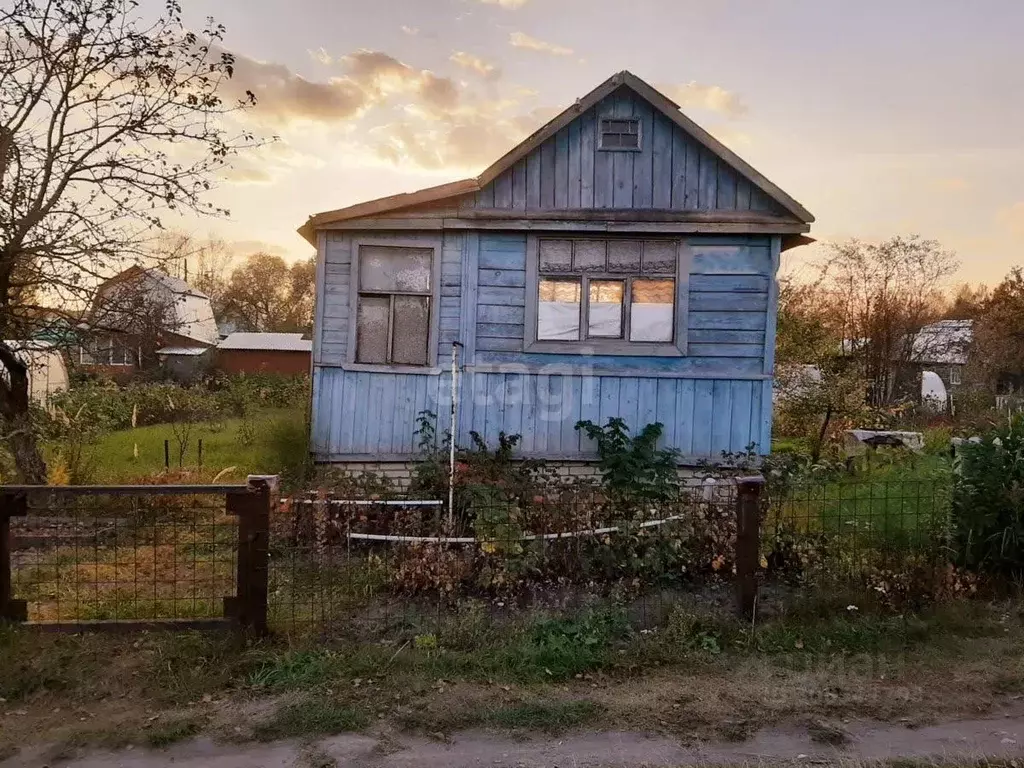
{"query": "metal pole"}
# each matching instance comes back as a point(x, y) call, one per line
point(454, 431)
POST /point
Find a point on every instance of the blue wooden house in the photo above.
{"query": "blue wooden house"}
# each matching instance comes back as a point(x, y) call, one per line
point(619, 262)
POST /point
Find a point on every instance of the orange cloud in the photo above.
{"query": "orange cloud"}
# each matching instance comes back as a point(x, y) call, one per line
point(523, 40)
point(702, 96)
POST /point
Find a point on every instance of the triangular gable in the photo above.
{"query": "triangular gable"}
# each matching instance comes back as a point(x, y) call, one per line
point(681, 168)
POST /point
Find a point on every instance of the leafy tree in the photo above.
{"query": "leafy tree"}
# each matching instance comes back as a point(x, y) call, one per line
point(885, 293)
point(110, 121)
point(820, 385)
point(266, 294)
point(998, 350)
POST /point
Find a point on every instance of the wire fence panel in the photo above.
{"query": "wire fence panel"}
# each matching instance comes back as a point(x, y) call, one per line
point(121, 555)
point(400, 569)
point(406, 568)
point(859, 531)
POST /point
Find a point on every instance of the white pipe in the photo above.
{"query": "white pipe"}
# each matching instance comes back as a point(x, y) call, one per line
point(367, 503)
point(454, 432)
point(530, 537)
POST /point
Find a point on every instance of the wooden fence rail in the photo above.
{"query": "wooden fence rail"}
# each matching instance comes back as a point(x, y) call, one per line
point(249, 504)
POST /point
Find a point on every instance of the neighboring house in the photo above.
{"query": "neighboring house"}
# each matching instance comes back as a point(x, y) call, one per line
point(282, 353)
point(943, 348)
point(620, 262)
point(142, 314)
point(47, 372)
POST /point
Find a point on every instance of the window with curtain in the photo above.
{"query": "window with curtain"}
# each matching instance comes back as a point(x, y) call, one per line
point(597, 290)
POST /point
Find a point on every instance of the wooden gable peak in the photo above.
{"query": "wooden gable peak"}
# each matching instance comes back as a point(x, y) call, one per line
point(627, 79)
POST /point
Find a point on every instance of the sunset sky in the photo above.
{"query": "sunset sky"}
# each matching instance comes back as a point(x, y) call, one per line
point(896, 117)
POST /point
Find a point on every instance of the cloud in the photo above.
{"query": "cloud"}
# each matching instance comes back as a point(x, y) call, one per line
point(379, 109)
point(321, 55)
point(1012, 218)
point(468, 140)
point(710, 97)
point(732, 138)
point(510, 4)
point(268, 163)
point(370, 79)
point(382, 76)
point(474, 63)
point(283, 96)
point(410, 30)
point(247, 174)
point(523, 40)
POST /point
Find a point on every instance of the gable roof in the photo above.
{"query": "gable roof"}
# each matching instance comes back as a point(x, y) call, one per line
point(626, 79)
point(191, 309)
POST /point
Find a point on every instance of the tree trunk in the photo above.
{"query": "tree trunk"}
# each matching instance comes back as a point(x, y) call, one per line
point(16, 419)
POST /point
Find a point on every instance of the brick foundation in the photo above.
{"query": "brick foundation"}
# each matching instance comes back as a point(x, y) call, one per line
point(400, 472)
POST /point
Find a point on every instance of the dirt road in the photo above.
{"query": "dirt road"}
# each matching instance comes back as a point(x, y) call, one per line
point(1001, 736)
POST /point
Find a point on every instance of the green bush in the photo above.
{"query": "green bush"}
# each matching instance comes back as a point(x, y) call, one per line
point(988, 503)
point(289, 450)
point(109, 407)
point(632, 466)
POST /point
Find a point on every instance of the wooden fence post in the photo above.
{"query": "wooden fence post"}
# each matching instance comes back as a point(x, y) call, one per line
point(11, 505)
point(748, 542)
point(252, 507)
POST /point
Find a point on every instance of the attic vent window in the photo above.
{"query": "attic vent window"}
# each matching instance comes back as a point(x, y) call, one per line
point(620, 135)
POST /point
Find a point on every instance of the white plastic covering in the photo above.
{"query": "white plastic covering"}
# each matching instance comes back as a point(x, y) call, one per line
point(933, 391)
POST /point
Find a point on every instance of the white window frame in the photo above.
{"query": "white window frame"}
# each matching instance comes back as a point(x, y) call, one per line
point(434, 246)
point(955, 376)
point(601, 134)
point(615, 347)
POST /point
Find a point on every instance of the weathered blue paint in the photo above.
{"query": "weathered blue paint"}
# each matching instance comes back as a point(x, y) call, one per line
point(672, 171)
point(702, 417)
point(711, 400)
point(715, 398)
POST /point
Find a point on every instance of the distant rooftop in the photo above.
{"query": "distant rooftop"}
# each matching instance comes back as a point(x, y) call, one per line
point(946, 342)
point(267, 342)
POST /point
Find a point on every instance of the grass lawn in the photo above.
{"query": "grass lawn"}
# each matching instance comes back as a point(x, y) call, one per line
point(887, 498)
point(257, 445)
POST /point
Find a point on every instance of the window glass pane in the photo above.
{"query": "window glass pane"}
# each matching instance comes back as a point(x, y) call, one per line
point(630, 141)
point(624, 256)
point(555, 255)
point(372, 329)
point(660, 257)
point(651, 310)
point(588, 256)
point(412, 330)
point(610, 140)
point(558, 310)
point(605, 308)
point(387, 268)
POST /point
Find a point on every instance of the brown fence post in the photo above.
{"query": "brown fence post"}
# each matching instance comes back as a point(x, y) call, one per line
point(11, 505)
point(252, 507)
point(748, 542)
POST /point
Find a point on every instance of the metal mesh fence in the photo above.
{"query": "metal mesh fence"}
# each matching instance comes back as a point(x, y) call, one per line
point(369, 568)
point(858, 531)
point(378, 568)
point(122, 556)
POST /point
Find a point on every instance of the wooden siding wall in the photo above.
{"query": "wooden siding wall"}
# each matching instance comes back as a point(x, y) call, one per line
point(330, 344)
point(671, 172)
point(715, 399)
point(373, 415)
point(729, 295)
